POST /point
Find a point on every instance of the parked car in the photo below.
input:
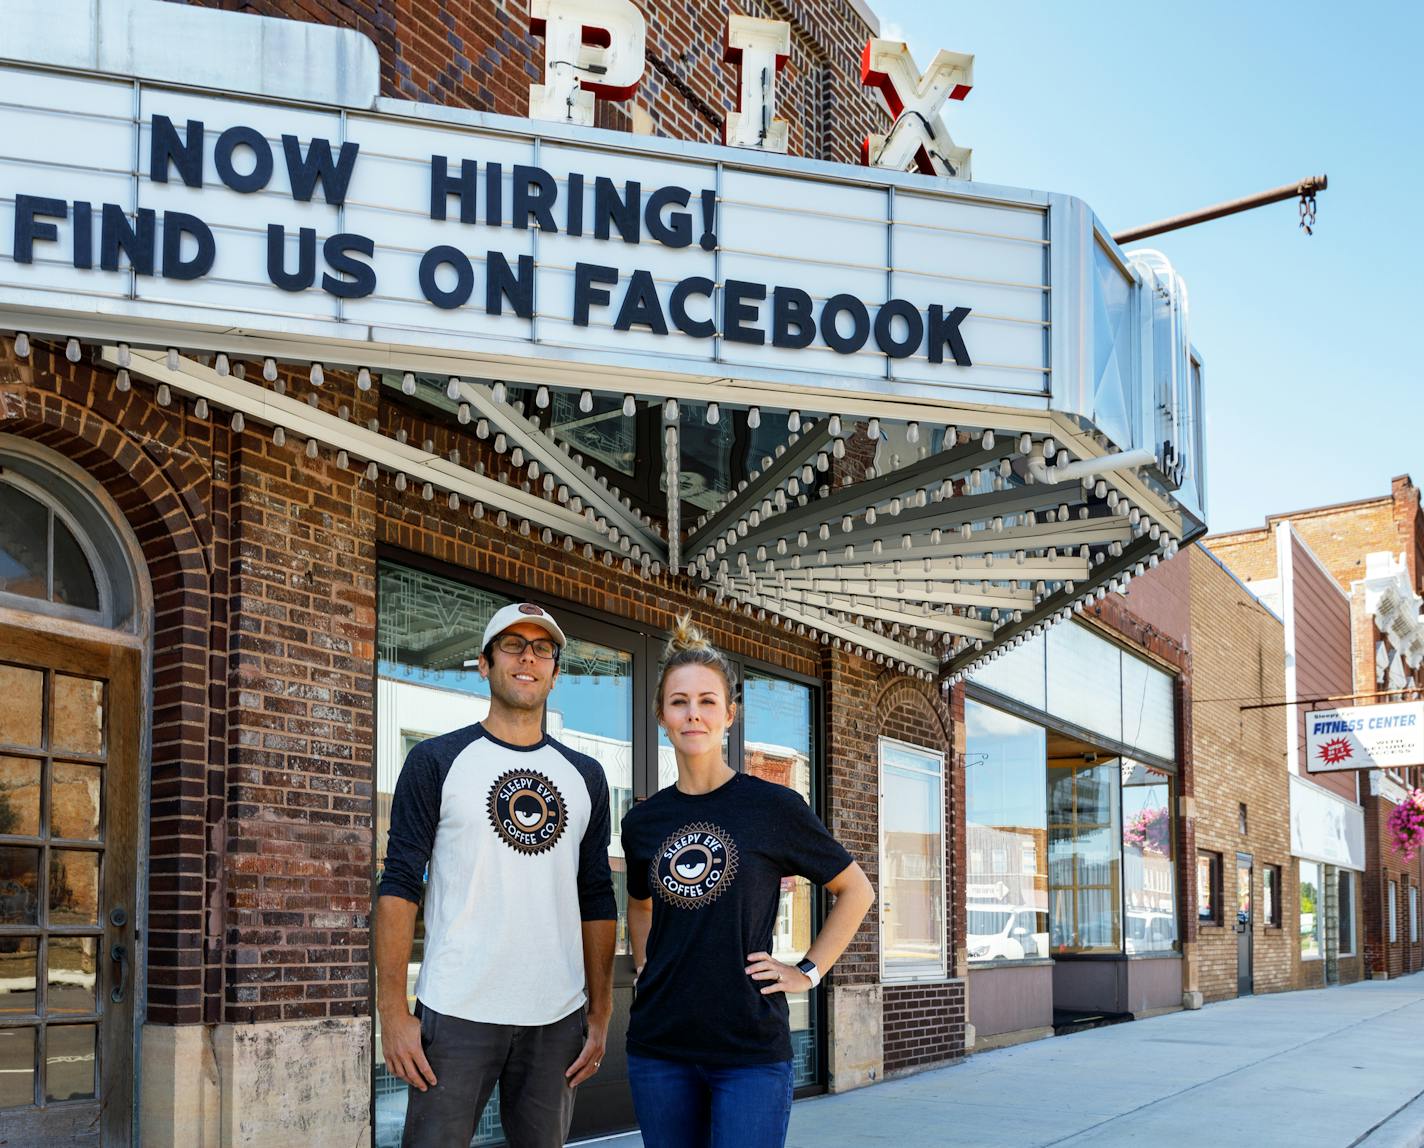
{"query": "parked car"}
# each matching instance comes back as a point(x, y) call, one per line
point(1004, 932)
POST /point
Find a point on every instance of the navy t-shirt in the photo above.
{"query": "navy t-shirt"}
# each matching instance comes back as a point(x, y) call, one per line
point(713, 864)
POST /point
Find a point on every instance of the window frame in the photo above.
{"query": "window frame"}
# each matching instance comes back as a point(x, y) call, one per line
point(1345, 878)
point(1275, 907)
point(1319, 882)
point(1214, 889)
point(104, 615)
point(1392, 912)
point(940, 972)
point(1413, 913)
point(645, 643)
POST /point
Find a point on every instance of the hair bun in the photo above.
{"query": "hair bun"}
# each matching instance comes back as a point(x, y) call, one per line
point(687, 636)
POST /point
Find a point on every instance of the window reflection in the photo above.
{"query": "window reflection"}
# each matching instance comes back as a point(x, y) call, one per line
point(912, 861)
point(1084, 856)
point(1311, 907)
point(777, 747)
point(1006, 889)
point(427, 629)
point(1148, 859)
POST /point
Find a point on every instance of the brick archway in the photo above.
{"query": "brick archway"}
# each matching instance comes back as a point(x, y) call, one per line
point(143, 458)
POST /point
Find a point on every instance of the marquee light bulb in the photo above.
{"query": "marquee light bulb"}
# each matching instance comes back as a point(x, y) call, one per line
point(318, 375)
point(121, 381)
point(22, 345)
point(172, 358)
point(269, 369)
point(497, 392)
point(363, 379)
point(238, 423)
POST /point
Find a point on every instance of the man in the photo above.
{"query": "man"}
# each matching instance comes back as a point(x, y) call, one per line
point(519, 910)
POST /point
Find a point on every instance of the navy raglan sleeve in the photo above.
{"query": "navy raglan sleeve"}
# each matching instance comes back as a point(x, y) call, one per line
point(595, 879)
point(415, 812)
point(805, 847)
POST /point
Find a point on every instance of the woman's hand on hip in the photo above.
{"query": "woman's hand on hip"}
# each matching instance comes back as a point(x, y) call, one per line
point(778, 977)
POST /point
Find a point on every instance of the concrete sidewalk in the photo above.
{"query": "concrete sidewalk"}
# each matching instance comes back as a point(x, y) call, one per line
point(1331, 1068)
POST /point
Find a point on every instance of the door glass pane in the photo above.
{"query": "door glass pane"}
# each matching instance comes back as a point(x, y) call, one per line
point(1084, 856)
point(72, 975)
point(778, 746)
point(1311, 905)
point(19, 885)
point(17, 1064)
point(1149, 865)
point(24, 544)
point(73, 578)
point(1005, 794)
point(74, 799)
point(69, 1062)
point(912, 861)
point(20, 795)
point(78, 723)
point(19, 957)
point(73, 887)
point(22, 715)
point(591, 711)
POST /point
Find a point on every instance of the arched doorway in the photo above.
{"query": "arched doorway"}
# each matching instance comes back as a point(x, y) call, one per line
point(73, 621)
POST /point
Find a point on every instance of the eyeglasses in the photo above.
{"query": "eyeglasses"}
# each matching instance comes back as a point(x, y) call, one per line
point(515, 645)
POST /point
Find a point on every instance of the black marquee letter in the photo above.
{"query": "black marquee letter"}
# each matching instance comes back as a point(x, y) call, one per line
point(229, 142)
point(791, 307)
point(884, 328)
point(737, 311)
point(135, 239)
point(305, 274)
point(677, 231)
point(177, 224)
point(317, 166)
point(641, 305)
point(28, 228)
point(587, 276)
point(165, 148)
point(534, 194)
point(945, 329)
point(443, 185)
point(337, 253)
point(677, 307)
point(464, 277)
point(504, 285)
point(845, 345)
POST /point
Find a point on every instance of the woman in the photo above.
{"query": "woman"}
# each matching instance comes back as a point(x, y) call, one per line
point(709, 1041)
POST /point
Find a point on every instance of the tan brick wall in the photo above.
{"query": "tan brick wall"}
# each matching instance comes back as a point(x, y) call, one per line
point(1239, 757)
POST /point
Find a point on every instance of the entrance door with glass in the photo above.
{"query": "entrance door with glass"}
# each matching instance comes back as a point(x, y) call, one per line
point(69, 747)
point(1245, 924)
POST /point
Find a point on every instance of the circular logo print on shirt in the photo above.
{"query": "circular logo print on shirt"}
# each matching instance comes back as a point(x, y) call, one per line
point(526, 810)
point(695, 865)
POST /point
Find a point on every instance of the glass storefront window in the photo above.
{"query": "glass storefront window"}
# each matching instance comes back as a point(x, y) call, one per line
point(778, 731)
point(1148, 859)
point(1006, 890)
point(1085, 856)
point(1345, 898)
point(427, 629)
point(912, 934)
point(1312, 904)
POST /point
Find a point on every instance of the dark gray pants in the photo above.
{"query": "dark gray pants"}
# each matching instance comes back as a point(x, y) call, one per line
point(535, 1102)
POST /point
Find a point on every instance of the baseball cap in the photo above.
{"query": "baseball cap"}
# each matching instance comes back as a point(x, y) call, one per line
point(517, 612)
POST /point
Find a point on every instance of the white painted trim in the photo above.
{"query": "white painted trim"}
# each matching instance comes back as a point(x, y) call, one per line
point(255, 402)
point(1286, 572)
point(224, 52)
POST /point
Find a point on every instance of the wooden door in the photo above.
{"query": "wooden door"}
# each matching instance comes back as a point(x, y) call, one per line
point(70, 714)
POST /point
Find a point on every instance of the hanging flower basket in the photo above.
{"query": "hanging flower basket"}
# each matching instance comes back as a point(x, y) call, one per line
point(1406, 824)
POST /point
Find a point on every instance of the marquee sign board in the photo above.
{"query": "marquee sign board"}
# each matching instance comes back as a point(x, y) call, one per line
point(371, 227)
point(1365, 737)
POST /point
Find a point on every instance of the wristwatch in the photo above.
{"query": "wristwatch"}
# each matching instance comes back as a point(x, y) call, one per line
point(808, 966)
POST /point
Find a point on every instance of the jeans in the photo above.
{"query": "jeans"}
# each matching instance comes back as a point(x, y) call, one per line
point(536, 1103)
point(683, 1105)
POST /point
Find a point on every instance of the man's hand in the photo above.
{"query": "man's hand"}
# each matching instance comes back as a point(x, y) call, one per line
point(781, 977)
point(591, 1057)
point(400, 1044)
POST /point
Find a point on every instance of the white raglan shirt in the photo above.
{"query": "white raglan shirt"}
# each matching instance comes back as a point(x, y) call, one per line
point(515, 842)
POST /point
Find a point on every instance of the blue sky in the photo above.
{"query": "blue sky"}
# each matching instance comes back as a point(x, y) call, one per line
point(1315, 394)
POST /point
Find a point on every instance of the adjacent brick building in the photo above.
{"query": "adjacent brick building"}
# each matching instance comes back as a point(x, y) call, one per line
point(1347, 578)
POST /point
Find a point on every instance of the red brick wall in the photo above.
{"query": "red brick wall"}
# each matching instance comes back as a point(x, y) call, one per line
point(481, 56)
point(159, 466)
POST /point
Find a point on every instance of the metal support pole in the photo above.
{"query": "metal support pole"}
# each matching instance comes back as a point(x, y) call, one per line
point(1305, 189)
